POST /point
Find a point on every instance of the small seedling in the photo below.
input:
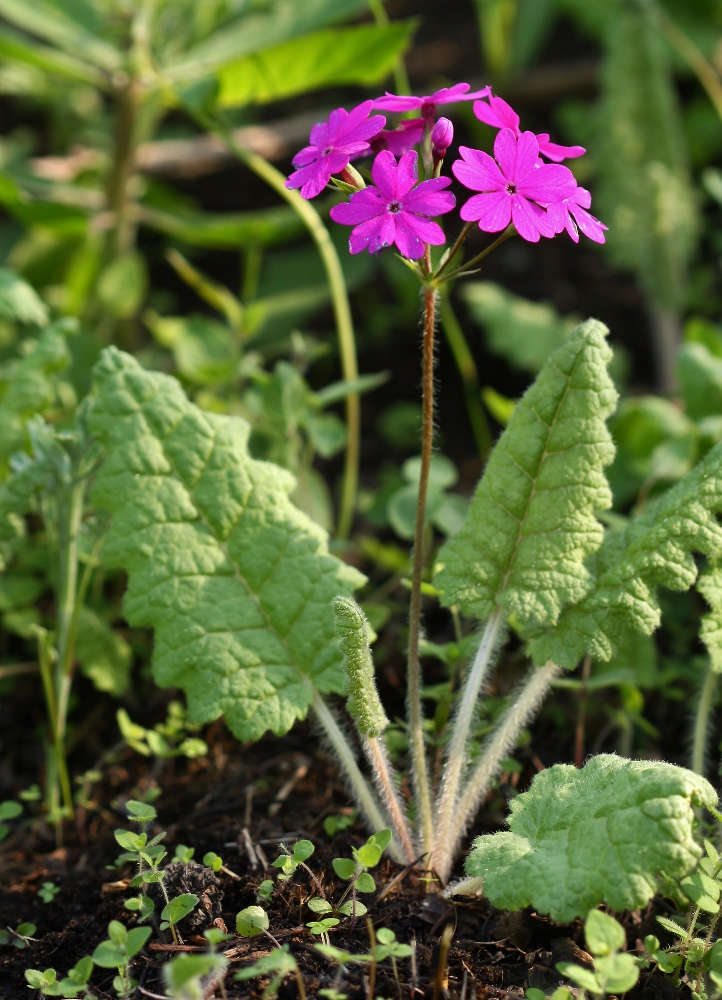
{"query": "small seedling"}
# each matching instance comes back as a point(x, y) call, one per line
point(289, 861)
point(264, 891)
point(615, 971)
point(183, 975)
point(183, 854)
point(8, 810)
point(73, 985)
point(279, 964)
point(20, 937)
point(141, 904)
point(48, 891)
point(335, 824)
point(252, 921)
point(177, 909)
point(355, 872)
point(116, 953)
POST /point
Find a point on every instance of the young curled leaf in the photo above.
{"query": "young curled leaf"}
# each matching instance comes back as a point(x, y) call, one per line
point(364, 704)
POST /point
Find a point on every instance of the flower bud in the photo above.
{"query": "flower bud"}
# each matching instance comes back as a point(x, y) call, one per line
point(442, 136)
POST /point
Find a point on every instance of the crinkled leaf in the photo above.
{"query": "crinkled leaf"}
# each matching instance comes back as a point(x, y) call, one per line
point(654, 549)
point(236, 581)
point(602, 834)
point(710, 586)
point(19, 300)
point(531, 524)
point(27, 387)
point(523, 332)
point(365, 55)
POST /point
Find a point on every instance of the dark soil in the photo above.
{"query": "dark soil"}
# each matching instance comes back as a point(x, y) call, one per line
point(242, 802)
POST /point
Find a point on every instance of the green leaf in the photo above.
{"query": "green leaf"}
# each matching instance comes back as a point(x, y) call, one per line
point(48, 21)
point(14, 46)
point(362, 55)
point(654, 549)
point(122, 284)
point(531, 524)
point(251, 921)
point(10, 809)
point(523, 332)
point(140, 812)
point(184, 968)
point(236, 581)
point(352, 909)
point(643, 191)
point(225, 231)
point(700, 381)
point(27, 387)
point(129, 840)
point(318, 905)
point(19, 301)
point(382, 838)
point(618, 973)
point(365, 883)
point(108, 955)
point(136, 939)
point(603, 933)
point(369, 855)
point(344, 867)
point(578, 838)
point(302, 850)
point(710, 587)
point(581, 976)
point(104, 655)
point(179, 907)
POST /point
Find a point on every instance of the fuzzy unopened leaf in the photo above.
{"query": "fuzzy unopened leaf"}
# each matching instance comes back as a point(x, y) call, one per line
point(654, 549)
point(601, 834)
point(531, 524)
point(235, 580)
point(710, 586)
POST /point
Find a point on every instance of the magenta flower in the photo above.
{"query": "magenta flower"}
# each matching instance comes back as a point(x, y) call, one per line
point(395, 210)
point(572, 213)
point(447, 95)
point(401, 139)
point(332, 144)
point(513, 186)
point(499, 114)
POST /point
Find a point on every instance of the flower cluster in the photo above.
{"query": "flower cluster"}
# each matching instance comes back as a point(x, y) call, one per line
point(514, 186)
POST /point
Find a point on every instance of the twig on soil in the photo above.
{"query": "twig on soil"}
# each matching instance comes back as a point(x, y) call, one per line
point(398, 878)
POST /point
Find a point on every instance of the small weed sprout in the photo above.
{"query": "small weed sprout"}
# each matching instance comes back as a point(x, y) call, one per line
point(355, 871)
point(75, 984)
point(190, 977)
point(264, 891)
point(20, 937)
point(48, 891)
point(8, 810)
point(342, 821)
point(615, 971)
point(117, 952)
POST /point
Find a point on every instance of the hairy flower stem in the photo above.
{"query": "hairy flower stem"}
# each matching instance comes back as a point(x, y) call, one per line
point(522, 707)
point(362, 793)
point(339, 300)
point(378, 758)
point(700, 735)
point(458, 746)
point(469, 375)
point(415, 713)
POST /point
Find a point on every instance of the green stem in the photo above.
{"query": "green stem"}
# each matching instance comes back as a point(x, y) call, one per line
point(363, 794)
point(701, 721)
point(509, 231)
point(469, 374)
point(448, 257)
point(458, 746)
point(415, 711)
point(71, 515)
point(523, 706)
point(341, 308)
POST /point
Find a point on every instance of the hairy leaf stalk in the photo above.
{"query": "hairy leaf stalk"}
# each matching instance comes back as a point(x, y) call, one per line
point(377, 754)
point(524, 704)
point(702, 718)
point(347, 758)
point(418, 750)
point(446, 809)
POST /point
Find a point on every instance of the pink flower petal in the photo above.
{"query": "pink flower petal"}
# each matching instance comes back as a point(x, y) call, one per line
point(361, 206)
point(548, 183)
point(406, 174)
point(553, 151)
point(429, 198)
point(374, 235)
point(459, 92)
point(336, 121)
point(582, 197)
point(383, 172)
point(478, 171)
point(529, 220)
point(305, 156)
point(426, 229)
point(527, 154)
point(558, 214)
point(390, 102)
point(497, 113)
point(505, 151)
point(406, 239)
point(591, 227)
point(311, 179)
point(319, 136)
point(492, 211)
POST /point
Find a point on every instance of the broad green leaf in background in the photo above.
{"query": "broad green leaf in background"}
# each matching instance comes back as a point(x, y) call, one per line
point(54, 25)
point(27, 387)
point(270, 24)
point(601, 834)
point(362, 55)
point(523, 332)
point(235, 580)
point(643, 188)
point(104, 655)
point(532, 524)
point(654, 549)
point(700, 381)
point(14, 47)
point(19, 301)
point(226, 230)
